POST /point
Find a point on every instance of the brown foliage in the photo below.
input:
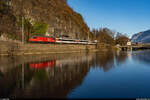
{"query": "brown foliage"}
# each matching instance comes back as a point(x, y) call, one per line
point(104, 36)
point(121, 39)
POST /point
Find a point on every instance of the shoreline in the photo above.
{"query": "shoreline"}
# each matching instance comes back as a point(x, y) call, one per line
point(12, 49)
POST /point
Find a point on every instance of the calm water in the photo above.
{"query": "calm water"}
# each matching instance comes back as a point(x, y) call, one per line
point(78, 75)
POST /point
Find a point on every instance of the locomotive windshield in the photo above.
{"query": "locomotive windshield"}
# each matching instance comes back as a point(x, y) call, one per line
point(34, 37)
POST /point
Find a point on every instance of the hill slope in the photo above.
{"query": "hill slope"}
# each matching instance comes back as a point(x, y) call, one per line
point(143, 37)
point(59, 17)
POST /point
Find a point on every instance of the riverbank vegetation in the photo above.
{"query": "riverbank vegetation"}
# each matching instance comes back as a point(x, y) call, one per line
point(109, 38)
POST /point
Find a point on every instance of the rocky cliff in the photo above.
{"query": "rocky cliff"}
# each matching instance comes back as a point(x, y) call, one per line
point(60, 19)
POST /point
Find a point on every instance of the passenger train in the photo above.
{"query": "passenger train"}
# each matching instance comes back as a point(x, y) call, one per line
point(47, 39)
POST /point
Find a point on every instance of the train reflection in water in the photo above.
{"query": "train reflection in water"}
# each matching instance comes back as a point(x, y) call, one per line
point(42, 64)
point(36, 77)
point(59, 63)
point(52, 76)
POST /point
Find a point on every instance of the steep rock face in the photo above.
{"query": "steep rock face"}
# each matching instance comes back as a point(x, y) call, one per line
point(61, 19)
point(8, 22)
point(143, 37)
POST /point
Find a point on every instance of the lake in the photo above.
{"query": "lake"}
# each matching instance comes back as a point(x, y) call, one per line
point(76, 75)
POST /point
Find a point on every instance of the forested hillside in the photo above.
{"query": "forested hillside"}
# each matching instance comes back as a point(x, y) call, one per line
point(41, 16)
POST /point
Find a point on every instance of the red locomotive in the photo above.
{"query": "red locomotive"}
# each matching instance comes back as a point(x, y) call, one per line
point(42, 39)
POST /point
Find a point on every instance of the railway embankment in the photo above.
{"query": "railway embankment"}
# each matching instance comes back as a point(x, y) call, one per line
point(9, 48)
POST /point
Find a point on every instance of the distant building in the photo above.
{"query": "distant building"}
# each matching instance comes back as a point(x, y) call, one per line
point(129, 43)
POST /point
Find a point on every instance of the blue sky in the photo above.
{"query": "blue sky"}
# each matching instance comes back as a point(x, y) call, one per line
point(125, 16)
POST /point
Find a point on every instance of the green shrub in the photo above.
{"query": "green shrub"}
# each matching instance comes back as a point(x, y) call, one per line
point(40, 28)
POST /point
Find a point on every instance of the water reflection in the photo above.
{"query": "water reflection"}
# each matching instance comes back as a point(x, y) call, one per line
point(104, 61)
point(117, 75)
point(142, 56)
point(43, 76)
point(55, 75)
point(110, 59)
point(40, 65)
point(121, 57)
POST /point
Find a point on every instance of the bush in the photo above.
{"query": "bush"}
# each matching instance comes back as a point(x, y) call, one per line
point(40, 28)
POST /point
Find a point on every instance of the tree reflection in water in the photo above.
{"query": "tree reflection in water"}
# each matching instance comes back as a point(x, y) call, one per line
point(49, 77)
point(120, 57)
point(109, 59)
point(52, 76)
